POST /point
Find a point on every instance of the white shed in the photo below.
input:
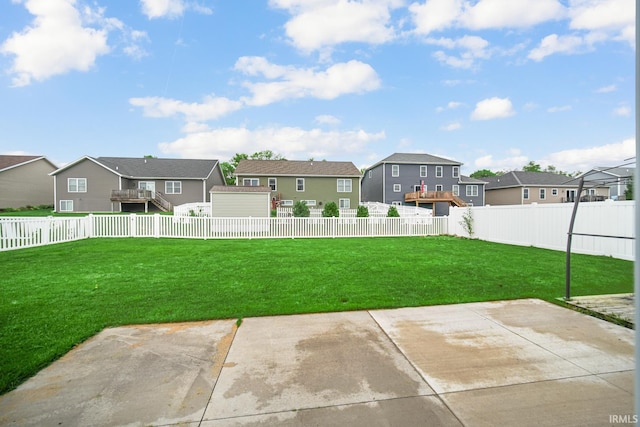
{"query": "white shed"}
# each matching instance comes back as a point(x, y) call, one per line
point(240, 201)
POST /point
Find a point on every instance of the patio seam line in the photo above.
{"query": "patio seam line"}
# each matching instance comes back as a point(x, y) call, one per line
point(415, 368)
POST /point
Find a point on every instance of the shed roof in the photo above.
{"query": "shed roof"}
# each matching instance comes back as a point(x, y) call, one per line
point(248, 167)
point(240, 189)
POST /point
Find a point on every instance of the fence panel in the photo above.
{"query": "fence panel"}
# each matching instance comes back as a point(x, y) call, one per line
point(547, 226)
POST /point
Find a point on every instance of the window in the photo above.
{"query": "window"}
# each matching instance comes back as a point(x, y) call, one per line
point(591, 192)
point(309, 202)
point(438, 171)
point(423, 171)
point(395, 170)
point(369, 174)
point(525, 193)
point(439, 187)
point(543, 193)
point(397, 188)
point(173, 187)
point(554, 191)
point(299, 184)
point(472, 190)
point(66, 205)
point(344, 186)
point(344, 203)
point(251, 182)
point(77, 185)
point(456, 190)
point(273, 184)
point(456, 172)
point(396, 203)
point(286, 203)
point(418, 187)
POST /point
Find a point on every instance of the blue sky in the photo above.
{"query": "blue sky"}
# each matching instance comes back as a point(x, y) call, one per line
point(490, 83)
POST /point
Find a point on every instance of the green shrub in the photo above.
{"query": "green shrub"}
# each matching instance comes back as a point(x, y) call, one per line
point(363, 212)
point(301, 210)
point(330, 209)
point(393, 212)
point(274, 213)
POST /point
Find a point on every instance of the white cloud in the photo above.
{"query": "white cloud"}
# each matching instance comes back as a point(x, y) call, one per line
point(451, 105)
point(513, 161)
point(487, 14)
point(153, 9)
point(337, 80)
point(435, 15)
point(327, 119)
point(622, 111)
point(615, 17)
point(554, 43)
point(472, 48)
point(493, 108)
point(317, 24)
point(292, 142)
point(606, 89)
point(583, 159)
point(451, 126)
point(211, 108)
point(55, 43)
point(559, 109)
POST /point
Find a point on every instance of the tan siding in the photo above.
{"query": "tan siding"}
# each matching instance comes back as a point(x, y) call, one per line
point(240, 204)
point(29, 184)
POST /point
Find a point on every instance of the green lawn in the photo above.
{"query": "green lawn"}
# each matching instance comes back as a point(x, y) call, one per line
point(54, 297)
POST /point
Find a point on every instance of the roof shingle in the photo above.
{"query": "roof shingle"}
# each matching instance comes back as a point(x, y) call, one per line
point(248, 167)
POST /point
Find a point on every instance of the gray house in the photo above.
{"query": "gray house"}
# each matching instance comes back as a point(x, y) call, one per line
point(421, 180)
point(25, 181)
point(614, 178)
point(124, 184)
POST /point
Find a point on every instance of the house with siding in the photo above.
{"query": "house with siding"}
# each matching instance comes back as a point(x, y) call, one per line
point(315, 182)
point(124, 184)
point(25, 181)
point(521, 188)
point(424, 180)
point(615, 179)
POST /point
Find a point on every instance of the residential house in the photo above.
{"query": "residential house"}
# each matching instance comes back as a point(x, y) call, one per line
point(25, 181)
point(614, 178)
point(240, 201)
point(315, 182)
point(421, 180)
point(124, 184)
point(520, 187)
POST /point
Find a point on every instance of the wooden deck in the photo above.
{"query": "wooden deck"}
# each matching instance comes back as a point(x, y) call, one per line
point(419, 198)
point(141, 196)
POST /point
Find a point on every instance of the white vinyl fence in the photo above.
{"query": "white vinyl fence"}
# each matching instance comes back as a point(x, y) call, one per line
point(547, 226)
point(18, 233)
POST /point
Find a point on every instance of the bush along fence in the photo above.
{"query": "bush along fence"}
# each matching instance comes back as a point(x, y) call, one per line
point(16, 233)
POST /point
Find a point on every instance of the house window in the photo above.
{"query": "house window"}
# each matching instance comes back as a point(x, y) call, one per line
point(423, 171)
point(273, 184)
point(395, 170)
point(173, 187)
point(525, 193)
point(299, 184)
point(344, 203)
point(438, 171)
point(369, 174)
point(397, 188)
point(66, 205)
point(472, 190)
point(456, 172)
point(554, 191)
point(456, 190)
point(344, 186)
point(543, 193)
point(77, 185)
point(439, 187)
point(286, 203)
point(418, 187)
point(251, 182)
point(309, 202)
point(591, 192)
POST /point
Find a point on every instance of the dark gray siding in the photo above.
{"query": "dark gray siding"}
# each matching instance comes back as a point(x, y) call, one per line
point(372, 185)
point(409, 178)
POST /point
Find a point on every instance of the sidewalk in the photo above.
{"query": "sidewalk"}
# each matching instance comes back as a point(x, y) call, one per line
point(524, 362)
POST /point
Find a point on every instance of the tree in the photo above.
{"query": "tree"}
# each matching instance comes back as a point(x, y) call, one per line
point(628, 192)
point(393, 212)
point(363, 212)
point(229, 168)
point(301, 210)
point(532, 167)
point(482, 173)
point(331, 209)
